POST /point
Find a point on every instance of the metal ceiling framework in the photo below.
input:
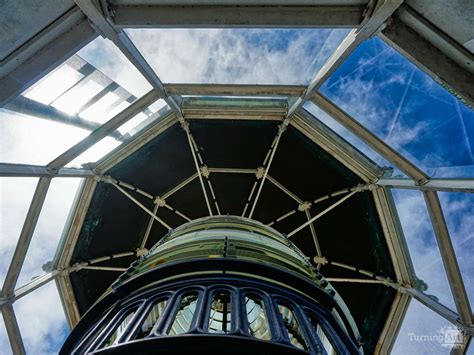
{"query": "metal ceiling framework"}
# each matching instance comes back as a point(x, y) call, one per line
point(397, 23)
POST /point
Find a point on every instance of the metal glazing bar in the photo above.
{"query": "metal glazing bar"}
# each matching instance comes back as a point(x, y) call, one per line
point(26, 106)
point(372, 140)
point(26, 170)
point(13, 331)
point(36, 283)
point(438, 308)
point(448, 256)
point(451, 185)
point(25, 236)
point(243, 13)
point(393, 323)
point(376, 15)
point(320, 214)
point(86, 70)
point(109, 88)
point(234, 90)
point(111, 125)
point(273, 148)
point(462, 349)
point(121, 40)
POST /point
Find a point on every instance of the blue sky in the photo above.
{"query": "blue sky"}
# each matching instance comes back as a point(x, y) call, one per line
point(376, 85)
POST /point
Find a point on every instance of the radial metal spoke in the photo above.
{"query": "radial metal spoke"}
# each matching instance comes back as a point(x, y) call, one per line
point(320, 214)
point(134, 200)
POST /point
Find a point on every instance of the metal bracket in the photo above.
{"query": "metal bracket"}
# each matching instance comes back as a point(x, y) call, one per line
point(304, 206)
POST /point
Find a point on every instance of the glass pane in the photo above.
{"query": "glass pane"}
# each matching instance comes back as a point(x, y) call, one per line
point(184, 316)
point(42, 320)
point(458, 211)
point(120, 328)
point(106, 57)
point(349, 137)
point(15, 198)
point(152, 318)
point(104, 109)
point(422, 245)
point(220, 316)
point(53, 85)
point(292, 327)
point(31, 140)
point(49, 228)
point(321, 334)
point(425, 332)
point(73, 100)
point(257, 319)
point(253, 56)
point(404, 106)
point(149, 115)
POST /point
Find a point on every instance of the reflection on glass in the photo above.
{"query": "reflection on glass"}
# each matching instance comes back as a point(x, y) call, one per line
point(404, 107)
point(292, 327)
point(153, 316)
point(421, 241)
point(119, 329)
point(257, 320)
point(220, 316)
point(185, 314)
point(325, 342)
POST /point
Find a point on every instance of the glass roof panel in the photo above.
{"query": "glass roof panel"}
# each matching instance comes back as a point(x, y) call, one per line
point(72, 101)
point(146, 117)
point(43, 326)
point(250, 56)
point(15, 197)
point(351, 138)
point(31, 140)
point(93, 85)
point(422, 245)
point(49, 228)
point(458, 211)
point(106, 57)
point(424, 332)
point(405, 107)
point(53, 85)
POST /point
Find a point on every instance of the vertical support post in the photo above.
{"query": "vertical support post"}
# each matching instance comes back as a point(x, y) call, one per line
point(25, 236)
point(448, 256)
point(13, 331)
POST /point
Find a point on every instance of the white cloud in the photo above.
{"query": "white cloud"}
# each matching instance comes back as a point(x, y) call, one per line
point(236, 56)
